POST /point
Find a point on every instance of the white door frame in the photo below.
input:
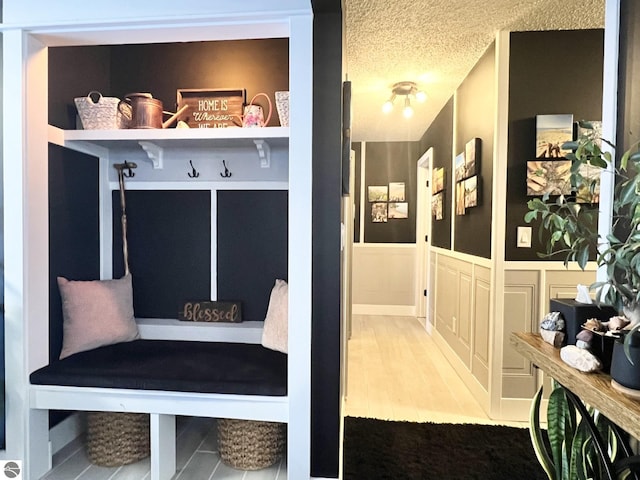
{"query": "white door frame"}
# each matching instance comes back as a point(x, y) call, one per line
point(423, 230)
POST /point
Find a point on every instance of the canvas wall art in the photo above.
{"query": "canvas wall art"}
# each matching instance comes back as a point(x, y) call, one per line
point(461, 168)
point(396, 192)
point(472, 157)
point(398, 210)
point(437, 204)
point(378, 193)
point(589, 191)
point(437, 179)
point(471, 192)
point(379, 212)
point(460, 210)
point(549, 176)
point(551, 132)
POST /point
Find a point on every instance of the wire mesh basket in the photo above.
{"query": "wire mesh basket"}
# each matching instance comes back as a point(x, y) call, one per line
point(100, 114)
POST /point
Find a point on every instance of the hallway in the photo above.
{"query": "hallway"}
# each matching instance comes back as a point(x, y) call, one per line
point(396, 372)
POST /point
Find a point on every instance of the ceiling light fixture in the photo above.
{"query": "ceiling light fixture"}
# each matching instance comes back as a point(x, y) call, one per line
point(407, 89)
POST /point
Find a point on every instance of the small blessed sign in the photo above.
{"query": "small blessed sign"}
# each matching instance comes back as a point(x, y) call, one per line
point(208, 311)
point(212, 108)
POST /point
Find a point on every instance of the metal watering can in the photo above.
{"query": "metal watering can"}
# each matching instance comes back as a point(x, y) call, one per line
point(143, 111)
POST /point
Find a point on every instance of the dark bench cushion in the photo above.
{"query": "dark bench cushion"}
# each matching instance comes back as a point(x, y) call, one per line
point(169, 365)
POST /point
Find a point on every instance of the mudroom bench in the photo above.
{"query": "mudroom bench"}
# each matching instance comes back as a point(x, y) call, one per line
point(165, 378)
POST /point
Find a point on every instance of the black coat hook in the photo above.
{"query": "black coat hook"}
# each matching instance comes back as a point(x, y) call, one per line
point(126, 168)
point(194, 173)
point(226, 173)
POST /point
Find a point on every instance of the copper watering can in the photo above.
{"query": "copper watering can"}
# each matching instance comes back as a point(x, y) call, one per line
point(143, 111)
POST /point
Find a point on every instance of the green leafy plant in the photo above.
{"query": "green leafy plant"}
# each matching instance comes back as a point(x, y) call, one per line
point(569, 449)
point(570, 221)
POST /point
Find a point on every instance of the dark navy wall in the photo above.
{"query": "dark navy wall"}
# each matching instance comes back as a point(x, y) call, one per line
point(533, 91)
point(327, 203)
point(439, 136)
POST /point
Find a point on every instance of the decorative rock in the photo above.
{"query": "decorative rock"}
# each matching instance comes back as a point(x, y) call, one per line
point(585, 335)
point(552, 321)
point(583, 344)
point(580, 359)
point(551, 337)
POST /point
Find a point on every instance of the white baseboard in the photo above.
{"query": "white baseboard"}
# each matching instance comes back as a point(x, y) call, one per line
point(65, 432)
point(399, 310)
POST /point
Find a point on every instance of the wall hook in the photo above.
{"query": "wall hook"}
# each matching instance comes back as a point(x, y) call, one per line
point(126, 168)
point(226, 173)
point(194, 173)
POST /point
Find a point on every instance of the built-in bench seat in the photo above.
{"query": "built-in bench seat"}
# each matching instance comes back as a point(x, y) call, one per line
point(166, 378)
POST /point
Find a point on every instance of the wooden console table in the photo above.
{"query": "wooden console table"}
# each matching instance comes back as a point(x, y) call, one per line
point(592, 388)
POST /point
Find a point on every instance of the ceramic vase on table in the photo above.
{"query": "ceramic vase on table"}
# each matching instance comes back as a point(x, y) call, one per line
point(625, 372)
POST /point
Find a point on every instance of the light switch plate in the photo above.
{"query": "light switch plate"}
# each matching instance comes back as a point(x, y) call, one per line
point(524, 237)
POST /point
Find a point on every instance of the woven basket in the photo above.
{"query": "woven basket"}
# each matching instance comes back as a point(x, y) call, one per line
point(100, 114)
point(115, 438)
point(249, 444)
point(282, 105)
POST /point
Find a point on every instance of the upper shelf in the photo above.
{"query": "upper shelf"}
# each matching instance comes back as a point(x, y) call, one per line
point(155, 141)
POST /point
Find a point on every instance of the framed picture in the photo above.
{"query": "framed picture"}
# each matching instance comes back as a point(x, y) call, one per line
point(472, 157)
point(398, 210)
point(437, 180)
point(549, 176)
point(378, 193)
point(471, 192)
point(551, 132)
point(461, 168)
point(396, 192)
point(379, 212)
point(437, 202)
point(460, 210)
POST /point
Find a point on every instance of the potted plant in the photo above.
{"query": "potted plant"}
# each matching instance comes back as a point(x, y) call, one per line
point(572, 230)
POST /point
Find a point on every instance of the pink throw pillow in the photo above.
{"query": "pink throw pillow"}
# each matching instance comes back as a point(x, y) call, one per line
point(96, 313)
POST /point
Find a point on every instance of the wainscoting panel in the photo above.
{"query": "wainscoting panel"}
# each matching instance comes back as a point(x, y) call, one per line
point(482, 317)
point(520, 315)
point(384, 278)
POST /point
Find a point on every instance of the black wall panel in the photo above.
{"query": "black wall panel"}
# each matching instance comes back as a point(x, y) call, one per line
point(327, 204)
point(90, 71)
point(74, 230)
point(162, 69)
point(252, 247)
point(574, 86)
point(74, 234)
point(169, 237)
point(475, 103)
point(440, 137)
point(391, 162)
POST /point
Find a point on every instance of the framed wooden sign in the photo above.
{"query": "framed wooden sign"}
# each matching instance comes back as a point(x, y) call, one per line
point(212, 108)
point(208, 311)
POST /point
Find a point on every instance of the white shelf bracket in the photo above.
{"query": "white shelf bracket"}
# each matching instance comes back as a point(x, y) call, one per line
point(264, 152)
point(154, 152)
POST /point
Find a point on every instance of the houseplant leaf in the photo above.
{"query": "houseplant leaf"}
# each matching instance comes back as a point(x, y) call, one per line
point(537, 439)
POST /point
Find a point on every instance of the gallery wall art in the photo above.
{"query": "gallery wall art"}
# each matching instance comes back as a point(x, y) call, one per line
point(551, 132)
point(388, 202)
point(551, 177)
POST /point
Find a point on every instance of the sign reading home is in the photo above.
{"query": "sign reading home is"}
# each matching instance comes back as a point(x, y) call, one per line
point(212, 108)
point(208, 311)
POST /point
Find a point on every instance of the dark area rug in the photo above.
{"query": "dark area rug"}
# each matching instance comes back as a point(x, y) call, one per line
point(378, 449)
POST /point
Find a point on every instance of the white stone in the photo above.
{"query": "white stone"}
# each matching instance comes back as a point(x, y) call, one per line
point(580, 359)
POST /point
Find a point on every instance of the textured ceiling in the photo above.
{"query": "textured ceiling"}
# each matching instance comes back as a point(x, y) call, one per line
point(434, 43)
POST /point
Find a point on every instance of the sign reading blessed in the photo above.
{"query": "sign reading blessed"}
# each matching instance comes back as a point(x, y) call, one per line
point(212, 108)
point(207, 311)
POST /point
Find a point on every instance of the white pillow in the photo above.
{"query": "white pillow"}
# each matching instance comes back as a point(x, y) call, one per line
point(276, 328)
point(96, 313)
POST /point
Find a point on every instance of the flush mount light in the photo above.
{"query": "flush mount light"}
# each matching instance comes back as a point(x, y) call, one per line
point(406, 89)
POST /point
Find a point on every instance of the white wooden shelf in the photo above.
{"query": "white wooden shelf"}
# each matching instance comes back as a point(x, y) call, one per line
point(171, 329)
point(155, 141)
